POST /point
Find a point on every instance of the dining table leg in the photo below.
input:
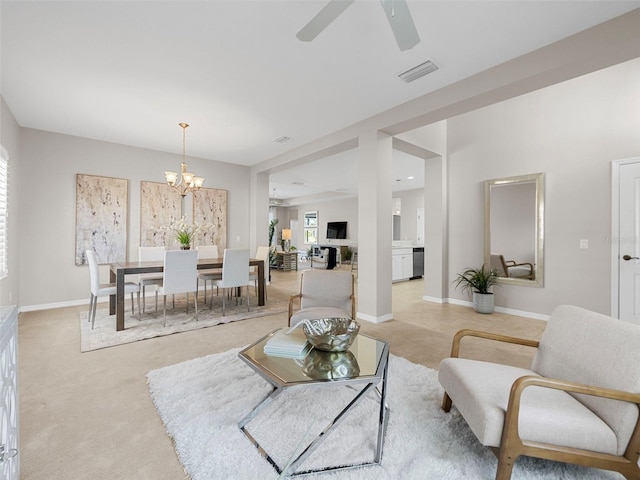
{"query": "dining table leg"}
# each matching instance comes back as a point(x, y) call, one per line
point(112, 298)
point(261, 282)
point(116, 302)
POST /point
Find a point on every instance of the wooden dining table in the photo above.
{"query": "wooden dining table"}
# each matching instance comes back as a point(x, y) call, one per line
point(120, 270)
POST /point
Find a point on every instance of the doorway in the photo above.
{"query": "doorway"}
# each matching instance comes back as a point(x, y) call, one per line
point(625, 240)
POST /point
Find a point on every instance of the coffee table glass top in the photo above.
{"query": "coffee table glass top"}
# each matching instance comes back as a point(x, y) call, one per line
point(362, 361)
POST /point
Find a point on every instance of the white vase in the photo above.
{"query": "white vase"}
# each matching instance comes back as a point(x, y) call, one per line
point(483, 302)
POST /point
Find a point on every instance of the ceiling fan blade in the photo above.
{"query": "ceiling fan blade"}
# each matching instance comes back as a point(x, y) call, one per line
point(401, 23)
point(328, 14)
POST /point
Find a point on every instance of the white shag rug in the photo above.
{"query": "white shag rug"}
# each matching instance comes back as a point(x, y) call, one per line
point(201, 401)
point(104, 333)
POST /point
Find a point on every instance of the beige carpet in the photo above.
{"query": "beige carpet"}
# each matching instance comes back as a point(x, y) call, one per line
point(104, 333)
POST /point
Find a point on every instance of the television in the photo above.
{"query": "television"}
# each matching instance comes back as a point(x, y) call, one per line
point(337, 230)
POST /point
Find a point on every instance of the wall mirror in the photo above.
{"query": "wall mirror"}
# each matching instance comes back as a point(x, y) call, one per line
point(514, 229)
point(396, 212)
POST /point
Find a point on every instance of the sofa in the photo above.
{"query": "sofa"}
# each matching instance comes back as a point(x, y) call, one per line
point(578, 403)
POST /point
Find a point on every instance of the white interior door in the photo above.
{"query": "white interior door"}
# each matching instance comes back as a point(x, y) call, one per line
point(628, 243)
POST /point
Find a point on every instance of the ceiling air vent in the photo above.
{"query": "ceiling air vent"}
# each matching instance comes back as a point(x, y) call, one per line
point(281, 139)
point(418, 71)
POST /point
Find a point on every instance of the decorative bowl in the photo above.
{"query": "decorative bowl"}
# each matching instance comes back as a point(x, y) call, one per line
point(331, 334)
point(321, 365)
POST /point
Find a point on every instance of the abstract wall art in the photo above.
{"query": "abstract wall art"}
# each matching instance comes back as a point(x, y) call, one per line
point(159, 206)
point(210, 208)
point(101, 218)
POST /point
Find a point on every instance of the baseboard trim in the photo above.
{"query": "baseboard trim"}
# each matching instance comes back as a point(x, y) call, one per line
point(508, 311)
point(434, 299)
point(70, 303)
point(48, 306)
point(372, 319)
point(522, 313)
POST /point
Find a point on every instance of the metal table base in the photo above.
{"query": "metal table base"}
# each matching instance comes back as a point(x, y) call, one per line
point(377, 384)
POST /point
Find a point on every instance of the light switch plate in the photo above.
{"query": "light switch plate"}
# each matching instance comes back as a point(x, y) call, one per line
point(584, 243)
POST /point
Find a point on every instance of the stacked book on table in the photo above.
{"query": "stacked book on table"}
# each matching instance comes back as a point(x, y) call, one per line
point(289, 345)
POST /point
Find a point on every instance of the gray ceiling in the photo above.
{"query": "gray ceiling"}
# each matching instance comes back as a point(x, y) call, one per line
point(128, 72)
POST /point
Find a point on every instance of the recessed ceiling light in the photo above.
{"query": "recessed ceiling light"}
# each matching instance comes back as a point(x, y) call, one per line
point(398, 179)
point(410, 178)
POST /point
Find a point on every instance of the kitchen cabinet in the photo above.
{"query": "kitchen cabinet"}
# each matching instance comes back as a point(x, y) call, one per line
point(401, 264)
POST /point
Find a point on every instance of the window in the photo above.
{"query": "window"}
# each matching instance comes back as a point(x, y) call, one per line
point(311, 227)
point(4, 184)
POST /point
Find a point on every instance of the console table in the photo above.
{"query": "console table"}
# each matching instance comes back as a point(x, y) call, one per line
point(288, 260)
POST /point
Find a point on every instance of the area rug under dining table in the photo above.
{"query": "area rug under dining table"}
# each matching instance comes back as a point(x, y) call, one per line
point(104, 333)
point(201, 401)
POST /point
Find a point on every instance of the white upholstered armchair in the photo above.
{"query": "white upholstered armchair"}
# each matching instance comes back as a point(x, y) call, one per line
point(578, 403)
point(323, 294)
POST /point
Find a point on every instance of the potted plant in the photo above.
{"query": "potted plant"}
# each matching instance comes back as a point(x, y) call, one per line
point(479, 282)
point(272, 250)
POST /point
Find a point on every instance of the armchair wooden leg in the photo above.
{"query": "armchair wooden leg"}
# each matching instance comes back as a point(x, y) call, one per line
point(505, 465)
point(446, 402)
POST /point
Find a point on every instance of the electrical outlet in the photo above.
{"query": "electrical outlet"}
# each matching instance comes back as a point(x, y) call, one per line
point(584, 243)
point(238, 239)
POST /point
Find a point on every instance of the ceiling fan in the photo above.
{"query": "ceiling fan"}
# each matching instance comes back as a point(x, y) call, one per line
point(397, 12)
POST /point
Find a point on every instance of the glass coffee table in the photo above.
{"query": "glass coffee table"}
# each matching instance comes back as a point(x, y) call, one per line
point(365, 363)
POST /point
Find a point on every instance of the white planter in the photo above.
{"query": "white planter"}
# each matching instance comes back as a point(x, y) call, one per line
point(483, 302)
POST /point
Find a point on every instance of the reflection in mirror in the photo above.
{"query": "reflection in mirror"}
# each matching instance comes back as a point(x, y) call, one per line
point(514, 228)
point(396, 211)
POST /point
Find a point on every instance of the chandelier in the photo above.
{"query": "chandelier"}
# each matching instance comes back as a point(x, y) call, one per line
point(188, 182)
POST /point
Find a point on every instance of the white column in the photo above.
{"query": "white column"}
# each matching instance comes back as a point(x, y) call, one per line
point(436, 281)
point(258, 211)
point(374, 227)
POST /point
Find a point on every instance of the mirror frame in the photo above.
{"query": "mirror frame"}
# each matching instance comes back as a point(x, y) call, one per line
point(538, 179)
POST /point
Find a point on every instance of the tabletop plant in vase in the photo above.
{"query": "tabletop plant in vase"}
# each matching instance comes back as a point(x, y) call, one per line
point(478, 282)
point(185, 232)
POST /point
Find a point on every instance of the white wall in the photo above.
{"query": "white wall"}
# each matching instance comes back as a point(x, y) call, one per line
point(333, 211)
point(571, 132)
point(48, 274)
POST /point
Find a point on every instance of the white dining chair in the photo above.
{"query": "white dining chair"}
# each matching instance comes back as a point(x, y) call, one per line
point(149, 254)
point(208, 251)
point(180, 275)
point(104, 289)
point(261, 254)
point(235, 273)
